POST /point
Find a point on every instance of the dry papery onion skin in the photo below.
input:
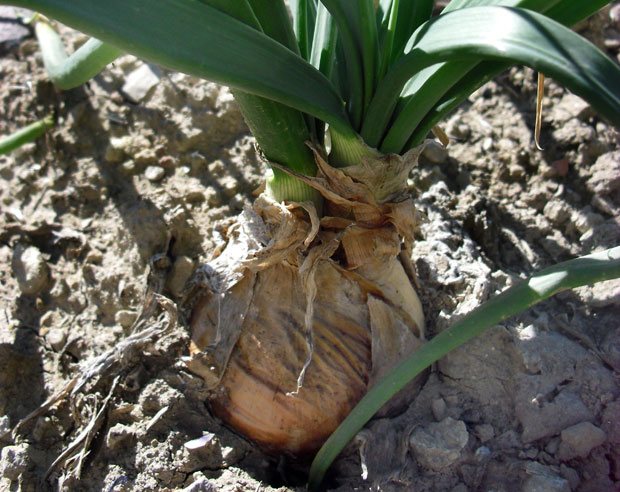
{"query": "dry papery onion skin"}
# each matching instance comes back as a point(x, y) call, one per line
point(299, 316)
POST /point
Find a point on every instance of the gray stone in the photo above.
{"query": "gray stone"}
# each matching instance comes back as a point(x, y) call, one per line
point(56, 337)
point(30, 269)
point(119, 436)
point(542, 483)
point(12, 32)
point(182, 270)
point(542, 419)
point(139, 82)
point(201, 485)
point(5, 427)
point(543, 479)
point(578, 440)
point(557, 212)
point(484, 432)
point(13, 461)
point(611, 422)
point(439, 445)
point(438, 407)
point(125, 318)
point(435, 152)
point(605, 174)
point(154, 173)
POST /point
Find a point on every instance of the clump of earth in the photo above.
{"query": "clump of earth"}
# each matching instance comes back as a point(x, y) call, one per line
point(104, 220)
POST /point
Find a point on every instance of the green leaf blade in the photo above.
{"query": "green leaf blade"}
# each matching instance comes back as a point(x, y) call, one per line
point(502, 34)
point(190, 37)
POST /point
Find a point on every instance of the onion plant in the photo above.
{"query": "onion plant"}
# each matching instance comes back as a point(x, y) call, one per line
point(312, 303)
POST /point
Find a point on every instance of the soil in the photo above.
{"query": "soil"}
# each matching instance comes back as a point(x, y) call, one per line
point(103, 221)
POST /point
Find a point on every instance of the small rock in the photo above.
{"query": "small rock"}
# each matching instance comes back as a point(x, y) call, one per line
point(557, 212)
point(487, 144)
point(145, 157)
point(605, 174)
point(119, 436)
point(216, 168)
point(611, 422)
point(439, 445)
point(154, 173)
point(571, 475)
point(229, 186)
point(569, 107)
point(11, 31)
point(579, 440)
point(30, 269)
point(182, 270)
point(543, 479)
point(438, 407)
point(201, 485)
point(484, 432)
point(585, 219)
point(167, 162)
point(458, 129)
point(13, 461)
point(543, 419)
point(56, 337)
point(129, 167)
point(5, 427)
point(94, 256)
point(558, 168)
point(125, 318)
point(552, 446)
point(139, 82)
point(544, 483)
point(435, 152)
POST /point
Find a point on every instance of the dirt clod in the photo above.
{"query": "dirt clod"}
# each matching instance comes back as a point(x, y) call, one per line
point(578, 440)
point(439, 445)
point(30, 269)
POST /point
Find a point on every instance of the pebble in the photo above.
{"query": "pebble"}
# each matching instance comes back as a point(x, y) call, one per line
point(154, 173)
point(439, 444)
point(182, 270)
point(30, 269)
point(543, 419)
point(140, 81)
point(484, 432)
point(546, 483)
point(611, 423)
point(557, 212)
point(125, 318)
point(119, 436)
point(578, 440)
point(11, 31)
point(438, 407)
point(605, 174)
point(129, 167)
point(435, 152)
point(13, 461)
point(585, 219)
point(56, 337)
point(487, 144)
point(146, 156)
point(202, 484)
point(229, 186)
point(5, 426)
point(569, 107)
point(543, 479)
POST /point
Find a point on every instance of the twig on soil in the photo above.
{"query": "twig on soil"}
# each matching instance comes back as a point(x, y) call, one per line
point(111, 364)
point(79, 448)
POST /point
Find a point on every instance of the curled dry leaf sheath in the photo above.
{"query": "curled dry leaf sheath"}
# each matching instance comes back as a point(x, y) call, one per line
point(295, 320)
